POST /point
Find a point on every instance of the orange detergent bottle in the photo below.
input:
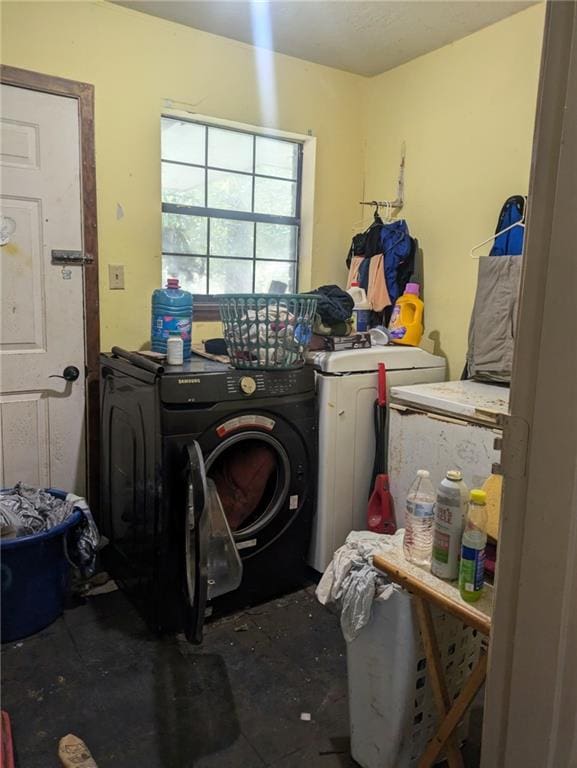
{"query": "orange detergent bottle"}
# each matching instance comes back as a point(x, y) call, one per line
point(406, 323)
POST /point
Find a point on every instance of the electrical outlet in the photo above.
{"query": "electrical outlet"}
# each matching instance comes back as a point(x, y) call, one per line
point(116, 277)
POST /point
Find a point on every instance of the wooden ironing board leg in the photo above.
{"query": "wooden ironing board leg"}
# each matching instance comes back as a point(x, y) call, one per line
point(457, 711)
point(437, 680)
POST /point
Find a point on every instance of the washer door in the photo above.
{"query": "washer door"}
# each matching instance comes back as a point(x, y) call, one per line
point(252, 473)
point(212, 563)
point(196, 539)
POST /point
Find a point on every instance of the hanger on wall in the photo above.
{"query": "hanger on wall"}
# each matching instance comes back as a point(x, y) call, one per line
point(399, 201)
point(520, 223)
point(364, 223)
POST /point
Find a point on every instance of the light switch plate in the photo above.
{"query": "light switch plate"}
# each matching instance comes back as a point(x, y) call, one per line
point(116, 277)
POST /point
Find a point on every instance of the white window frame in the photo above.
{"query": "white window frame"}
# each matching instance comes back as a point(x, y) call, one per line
point(208, 307)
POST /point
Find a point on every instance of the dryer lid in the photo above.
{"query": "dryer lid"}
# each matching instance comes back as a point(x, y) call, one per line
point(396, 358)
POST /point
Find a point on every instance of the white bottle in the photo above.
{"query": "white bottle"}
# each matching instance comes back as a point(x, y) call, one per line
point(450, 515)
point(418, 539)
point(174, 349)
point(362, 308)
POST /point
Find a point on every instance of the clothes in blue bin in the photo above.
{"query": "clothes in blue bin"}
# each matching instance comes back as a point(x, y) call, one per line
point(25, 510)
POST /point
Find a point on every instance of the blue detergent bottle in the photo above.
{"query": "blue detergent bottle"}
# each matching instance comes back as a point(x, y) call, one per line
point(171, 313)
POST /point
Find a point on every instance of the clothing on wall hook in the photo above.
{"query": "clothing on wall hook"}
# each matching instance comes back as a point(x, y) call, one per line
point(520, 223)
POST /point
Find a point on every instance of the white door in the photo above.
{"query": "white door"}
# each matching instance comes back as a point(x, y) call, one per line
point(42, 419)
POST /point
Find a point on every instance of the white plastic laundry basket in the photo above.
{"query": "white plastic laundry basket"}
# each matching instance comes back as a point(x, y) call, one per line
point(392, 711)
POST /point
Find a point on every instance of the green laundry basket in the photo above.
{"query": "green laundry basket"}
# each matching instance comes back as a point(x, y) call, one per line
point(267, 331)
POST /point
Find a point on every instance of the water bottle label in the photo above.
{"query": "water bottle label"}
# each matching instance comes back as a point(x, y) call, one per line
point(420, 509)
point(164, 325)
point(472, 571)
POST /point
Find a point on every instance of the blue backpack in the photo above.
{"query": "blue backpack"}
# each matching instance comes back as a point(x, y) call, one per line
point(510, 243)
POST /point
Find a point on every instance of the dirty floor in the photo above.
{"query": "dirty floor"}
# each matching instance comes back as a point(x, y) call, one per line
point(143, 702)
point(137, 700)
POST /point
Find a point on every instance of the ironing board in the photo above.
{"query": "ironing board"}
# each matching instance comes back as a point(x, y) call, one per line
point(427, 589)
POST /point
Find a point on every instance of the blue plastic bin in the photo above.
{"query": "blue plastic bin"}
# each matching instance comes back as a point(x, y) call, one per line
point(35, 578)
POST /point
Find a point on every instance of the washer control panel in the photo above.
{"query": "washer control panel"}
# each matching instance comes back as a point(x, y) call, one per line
point(283, 384)
point(247, 385)
point(263, 383)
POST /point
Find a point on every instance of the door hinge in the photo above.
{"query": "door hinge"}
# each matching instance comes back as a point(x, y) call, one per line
point(513, 446)
point(67, 258)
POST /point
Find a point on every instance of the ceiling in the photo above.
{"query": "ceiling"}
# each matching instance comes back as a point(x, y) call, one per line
point(357, 36)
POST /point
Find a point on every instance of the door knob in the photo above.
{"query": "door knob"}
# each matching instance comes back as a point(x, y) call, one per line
point(70, 373)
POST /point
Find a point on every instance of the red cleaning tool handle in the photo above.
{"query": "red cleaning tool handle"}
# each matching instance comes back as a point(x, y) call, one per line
point(382, 385)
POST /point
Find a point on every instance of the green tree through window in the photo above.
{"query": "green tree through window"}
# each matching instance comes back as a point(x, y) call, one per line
point(230, 208)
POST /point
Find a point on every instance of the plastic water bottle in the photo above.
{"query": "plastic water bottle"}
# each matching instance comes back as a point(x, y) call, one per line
point(450, 514)
point(171, 313)
point(418, 539)
point(362, 308)
point(472, 568)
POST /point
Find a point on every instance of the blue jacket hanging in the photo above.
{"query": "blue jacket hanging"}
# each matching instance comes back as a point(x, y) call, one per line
point(399, 252)
point(510, 243)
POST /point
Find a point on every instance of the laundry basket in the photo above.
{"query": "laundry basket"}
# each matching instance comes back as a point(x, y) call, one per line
point(391, 704)
point(35, 577)
point(267, 331)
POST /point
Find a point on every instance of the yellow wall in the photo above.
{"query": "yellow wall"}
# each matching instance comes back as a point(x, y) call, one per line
point(466, 113)
point(135, 62)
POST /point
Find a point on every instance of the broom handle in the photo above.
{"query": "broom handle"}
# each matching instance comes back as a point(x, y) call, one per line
point(382, 393)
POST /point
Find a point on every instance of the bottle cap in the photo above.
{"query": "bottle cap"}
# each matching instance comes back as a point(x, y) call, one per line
point(454, 474)
point(423, 473)
point(172, 282)
point(478, 496)
point(412, 288)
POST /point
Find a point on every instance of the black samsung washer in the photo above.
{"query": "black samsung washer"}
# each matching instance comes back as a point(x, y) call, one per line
point(165, 430)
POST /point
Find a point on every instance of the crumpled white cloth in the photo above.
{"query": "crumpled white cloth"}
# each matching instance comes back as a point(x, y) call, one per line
point(352, 584)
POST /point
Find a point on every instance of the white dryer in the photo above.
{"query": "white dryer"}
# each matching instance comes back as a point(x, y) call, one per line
point(347, 389)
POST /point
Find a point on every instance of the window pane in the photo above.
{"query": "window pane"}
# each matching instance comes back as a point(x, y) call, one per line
point(230, 276)
point(276, 158)
point(191, 271)
point(229, 190)
point(276, 241)
point(229, 149)
point(183, 185)
point(182, 141)
point(183, 234)
point(274, 196)
point(231, 238)
point(278, 271)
